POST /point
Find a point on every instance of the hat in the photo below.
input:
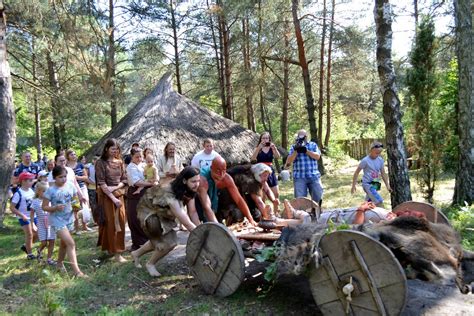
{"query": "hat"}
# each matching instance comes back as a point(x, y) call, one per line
point(43, 173)
point(26, 176)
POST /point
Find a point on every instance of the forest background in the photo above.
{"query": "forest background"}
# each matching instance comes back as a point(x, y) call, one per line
point(79, 66)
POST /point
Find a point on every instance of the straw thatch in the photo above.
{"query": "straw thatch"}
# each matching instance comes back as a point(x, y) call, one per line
point(165, 115)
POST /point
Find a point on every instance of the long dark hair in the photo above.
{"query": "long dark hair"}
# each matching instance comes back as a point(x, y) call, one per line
point(179, 188)
point(166, 147)
point(261, 135)
point(110, 143)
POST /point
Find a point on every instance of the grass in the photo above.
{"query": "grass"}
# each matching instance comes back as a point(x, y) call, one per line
point(120, 289)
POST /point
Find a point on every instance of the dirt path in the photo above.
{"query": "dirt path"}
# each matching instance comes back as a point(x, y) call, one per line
point(423, 298)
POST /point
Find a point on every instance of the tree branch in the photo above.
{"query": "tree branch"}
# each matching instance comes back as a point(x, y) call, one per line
point(291, 61)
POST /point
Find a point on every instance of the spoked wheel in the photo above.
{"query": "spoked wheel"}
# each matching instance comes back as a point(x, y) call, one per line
point(357, 275)
point(216, 259)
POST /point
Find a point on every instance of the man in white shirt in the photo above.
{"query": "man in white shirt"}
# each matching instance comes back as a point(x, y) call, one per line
point(204, 157)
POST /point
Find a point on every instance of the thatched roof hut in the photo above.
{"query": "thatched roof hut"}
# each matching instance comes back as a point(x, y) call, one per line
point(165, 115)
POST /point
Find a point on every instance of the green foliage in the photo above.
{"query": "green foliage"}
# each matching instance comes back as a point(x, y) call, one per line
point(269, 254)
point(445, 116)
point(421, 82)
point(462, 218)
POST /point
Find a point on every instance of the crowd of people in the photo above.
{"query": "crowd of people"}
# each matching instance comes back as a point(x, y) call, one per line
point(154, 194)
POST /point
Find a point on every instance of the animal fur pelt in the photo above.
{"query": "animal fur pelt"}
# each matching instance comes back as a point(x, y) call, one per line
point(247, 185)
point(297, 247)
point(427, 251)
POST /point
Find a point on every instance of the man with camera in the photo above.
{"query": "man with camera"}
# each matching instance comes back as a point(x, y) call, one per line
point(304, 156)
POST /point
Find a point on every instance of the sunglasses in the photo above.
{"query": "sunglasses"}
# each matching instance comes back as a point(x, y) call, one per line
point(377, 146)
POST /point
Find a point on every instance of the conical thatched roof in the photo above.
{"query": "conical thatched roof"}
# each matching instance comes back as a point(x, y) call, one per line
point(165, 115)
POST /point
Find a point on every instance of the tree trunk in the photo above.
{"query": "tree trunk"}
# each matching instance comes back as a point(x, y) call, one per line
point(227, 69)
point(7, 117)
point(261, 83)
point(415, 14)
point(305, 72)
point(175, 46)
point(35, 102)
point(321, 79)
point(328, 78)
point(397, 162)
point(219, 60)
point(286, 89)
point(464, 187)
point(111, 77)
point(55, 109)
point(248, 74)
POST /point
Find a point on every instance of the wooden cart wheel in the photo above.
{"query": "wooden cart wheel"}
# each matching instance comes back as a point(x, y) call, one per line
point(432, 214)
point(215, 258)
point(378, 280)
point(305, 204)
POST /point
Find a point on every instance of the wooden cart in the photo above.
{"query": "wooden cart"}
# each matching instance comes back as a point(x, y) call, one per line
point(356, 274)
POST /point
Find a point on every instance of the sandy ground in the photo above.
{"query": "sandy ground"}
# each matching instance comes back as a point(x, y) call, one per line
point(423, 298)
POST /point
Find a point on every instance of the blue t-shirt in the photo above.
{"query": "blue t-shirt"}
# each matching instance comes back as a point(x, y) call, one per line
point(32, 168)
point(212, 188)
point(61, 195)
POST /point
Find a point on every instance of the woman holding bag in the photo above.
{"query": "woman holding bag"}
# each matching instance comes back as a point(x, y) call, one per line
point(110, 175)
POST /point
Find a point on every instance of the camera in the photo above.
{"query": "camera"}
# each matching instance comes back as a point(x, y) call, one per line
point(268, 144)
point(300, 145)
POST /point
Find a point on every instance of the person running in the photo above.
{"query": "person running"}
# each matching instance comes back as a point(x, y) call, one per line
point(20, 206)
point(374, 172)
point(57, 200)
point(46, 234)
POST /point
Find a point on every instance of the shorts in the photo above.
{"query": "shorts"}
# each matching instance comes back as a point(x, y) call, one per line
point(372, 195)
point(272, 179)
point(24, 223)
point(69, 226)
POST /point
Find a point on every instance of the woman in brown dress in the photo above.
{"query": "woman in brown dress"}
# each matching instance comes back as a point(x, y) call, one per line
point(110, 175)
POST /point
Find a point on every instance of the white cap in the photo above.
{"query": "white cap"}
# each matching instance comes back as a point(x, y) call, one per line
point(42, 173)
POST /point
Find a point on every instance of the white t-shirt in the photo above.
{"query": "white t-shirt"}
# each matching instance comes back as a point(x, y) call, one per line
point(25, 201)
point(201, 159)
point(372, 169)
point(71, 176)
point(134, 173)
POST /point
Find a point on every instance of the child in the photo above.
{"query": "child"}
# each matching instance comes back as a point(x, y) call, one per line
point(43, 176)
point(57, 200)
point(150, 171)
point(45, 233)
point(373, 166)
point(20, 206)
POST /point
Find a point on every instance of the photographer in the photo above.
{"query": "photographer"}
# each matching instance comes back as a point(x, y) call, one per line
point(304, 155)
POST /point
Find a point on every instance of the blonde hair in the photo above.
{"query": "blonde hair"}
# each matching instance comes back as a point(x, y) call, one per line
point(40, 186)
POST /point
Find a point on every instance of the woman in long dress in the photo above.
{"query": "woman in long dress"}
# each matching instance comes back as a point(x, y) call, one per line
point(111, 178)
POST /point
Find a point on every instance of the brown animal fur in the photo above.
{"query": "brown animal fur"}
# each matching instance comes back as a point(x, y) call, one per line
point(428, 251)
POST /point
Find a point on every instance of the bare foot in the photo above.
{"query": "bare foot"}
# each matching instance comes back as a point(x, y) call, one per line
point(119, 258)
point(81, 275)
point(136, 259)
point(152, 270)
point(288, 209)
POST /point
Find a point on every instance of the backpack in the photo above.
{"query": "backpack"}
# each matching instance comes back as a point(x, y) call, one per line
point(19, 200)
point(28, 205)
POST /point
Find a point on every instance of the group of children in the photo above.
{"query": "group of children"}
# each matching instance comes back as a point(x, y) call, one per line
point(45, 212)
